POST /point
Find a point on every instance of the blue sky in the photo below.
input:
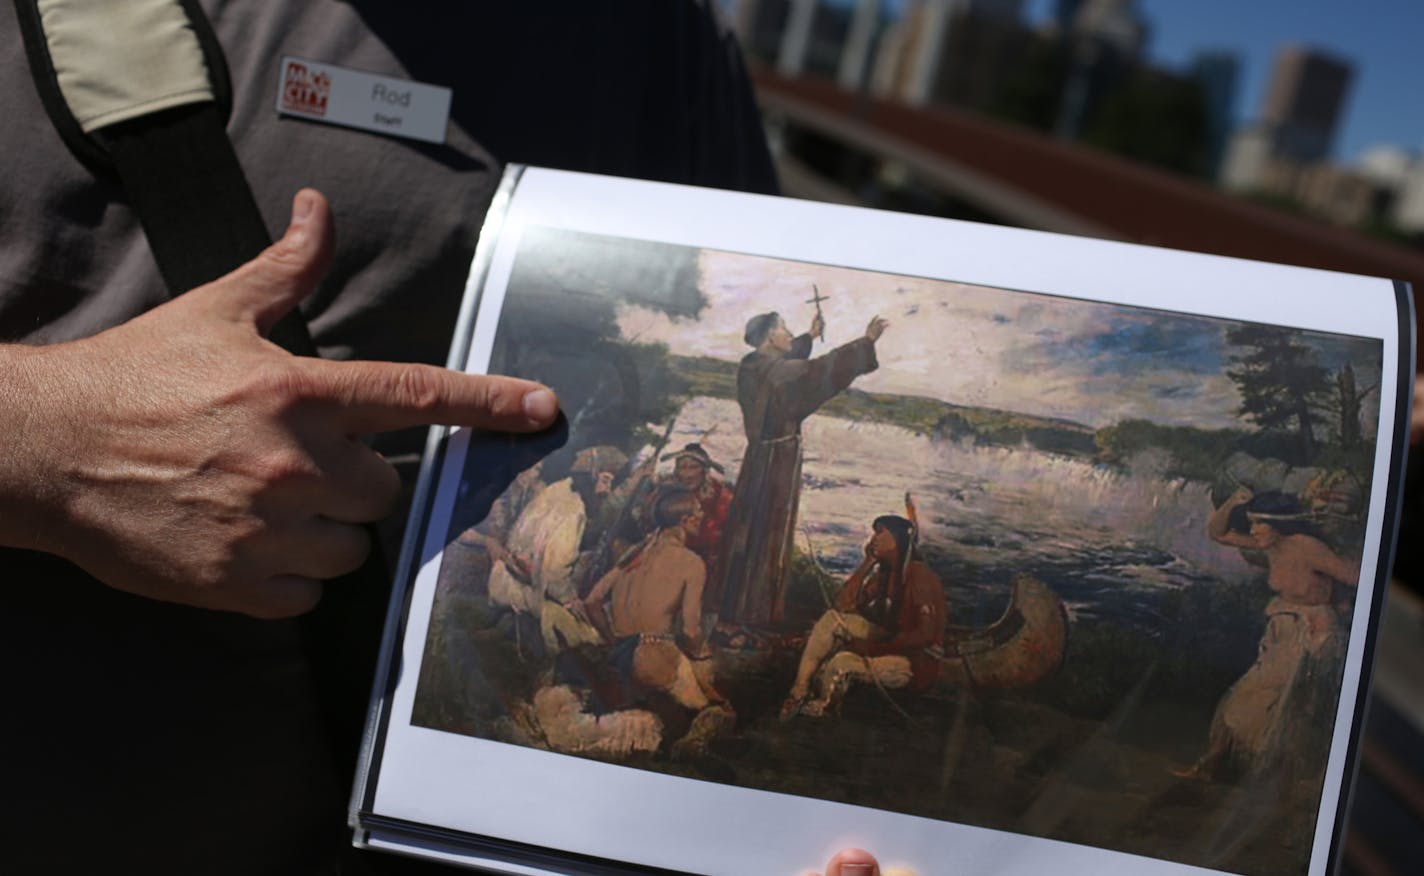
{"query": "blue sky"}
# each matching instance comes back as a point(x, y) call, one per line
point(1384, 39)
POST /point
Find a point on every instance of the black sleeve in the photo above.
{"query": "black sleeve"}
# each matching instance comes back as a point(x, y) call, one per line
point(652, 89)
point(729, 144)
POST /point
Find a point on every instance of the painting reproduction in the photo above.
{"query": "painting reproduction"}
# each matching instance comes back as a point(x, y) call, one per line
point(1061, 568)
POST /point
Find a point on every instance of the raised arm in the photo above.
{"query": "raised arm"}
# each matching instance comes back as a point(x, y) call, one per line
point(1217, 525)
point(848, 597)
point(813, 382)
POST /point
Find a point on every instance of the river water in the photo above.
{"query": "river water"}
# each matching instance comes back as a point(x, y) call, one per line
point(1110, 542)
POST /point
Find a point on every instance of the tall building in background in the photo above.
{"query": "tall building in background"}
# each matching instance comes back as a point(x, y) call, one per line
point(918, 55)
point(1296, 128)
point(1399, 173)
point(1286, 153)
point(867, 25)
point(1305, 102)
point(1386, 164)
point(760, 25)
point(1409, 208)
point(814, 37)
point(1217, 74)
point(1116, 24)
point(1106, 39)
point(794, 53)
point(1065, 12)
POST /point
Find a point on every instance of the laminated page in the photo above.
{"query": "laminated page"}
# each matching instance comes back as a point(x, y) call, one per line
point(991, 551)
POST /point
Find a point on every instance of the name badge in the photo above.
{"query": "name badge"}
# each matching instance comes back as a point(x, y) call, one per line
point(341, 96)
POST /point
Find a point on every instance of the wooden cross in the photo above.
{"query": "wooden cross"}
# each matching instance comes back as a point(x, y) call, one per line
point(817, 301)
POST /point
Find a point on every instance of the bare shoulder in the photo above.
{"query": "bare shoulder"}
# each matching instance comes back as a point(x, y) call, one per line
point(1307, 545)
point(1325, 559)
point(924, 578)
point(921, 569)
point(689, 557)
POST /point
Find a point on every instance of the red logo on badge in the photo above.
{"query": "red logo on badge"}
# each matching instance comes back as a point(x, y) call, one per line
point(305, 91)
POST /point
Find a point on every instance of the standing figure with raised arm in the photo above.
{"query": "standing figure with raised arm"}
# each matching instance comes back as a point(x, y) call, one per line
point(1303, 639)
point(778, 387)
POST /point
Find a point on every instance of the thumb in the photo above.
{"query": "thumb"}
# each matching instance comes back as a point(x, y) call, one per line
point(853, 862)
point(264, 289)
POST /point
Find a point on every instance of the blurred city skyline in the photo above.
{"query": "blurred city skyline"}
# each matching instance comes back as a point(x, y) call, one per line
point(1295, 106)
point(1379, 38)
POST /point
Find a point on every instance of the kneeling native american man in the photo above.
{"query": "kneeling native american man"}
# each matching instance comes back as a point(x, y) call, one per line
point(654, 618)
point(887, 625)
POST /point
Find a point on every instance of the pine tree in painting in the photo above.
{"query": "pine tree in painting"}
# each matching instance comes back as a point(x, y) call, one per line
point(1280, 380)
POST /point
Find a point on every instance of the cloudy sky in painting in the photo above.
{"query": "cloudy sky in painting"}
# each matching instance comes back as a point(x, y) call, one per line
point(1037, 354)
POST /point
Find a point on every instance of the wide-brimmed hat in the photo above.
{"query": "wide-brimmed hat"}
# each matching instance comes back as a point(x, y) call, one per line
point(694, 451)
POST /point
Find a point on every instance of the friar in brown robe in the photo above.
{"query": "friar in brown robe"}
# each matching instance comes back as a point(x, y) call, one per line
point(778, 386)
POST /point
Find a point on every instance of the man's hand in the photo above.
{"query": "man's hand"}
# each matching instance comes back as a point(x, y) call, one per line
point(818, 327)
point(876, 329)
point(184, 457)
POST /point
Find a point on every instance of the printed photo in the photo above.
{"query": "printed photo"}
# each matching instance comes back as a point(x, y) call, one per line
point(1039, 564)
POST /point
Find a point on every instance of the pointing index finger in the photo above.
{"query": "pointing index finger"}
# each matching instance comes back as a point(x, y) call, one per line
point(385, 396)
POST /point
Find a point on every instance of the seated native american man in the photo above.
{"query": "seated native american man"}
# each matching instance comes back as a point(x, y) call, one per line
point(654, 617)
point(888, 619)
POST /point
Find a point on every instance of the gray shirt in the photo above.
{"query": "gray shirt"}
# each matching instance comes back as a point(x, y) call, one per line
point(164, 739)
